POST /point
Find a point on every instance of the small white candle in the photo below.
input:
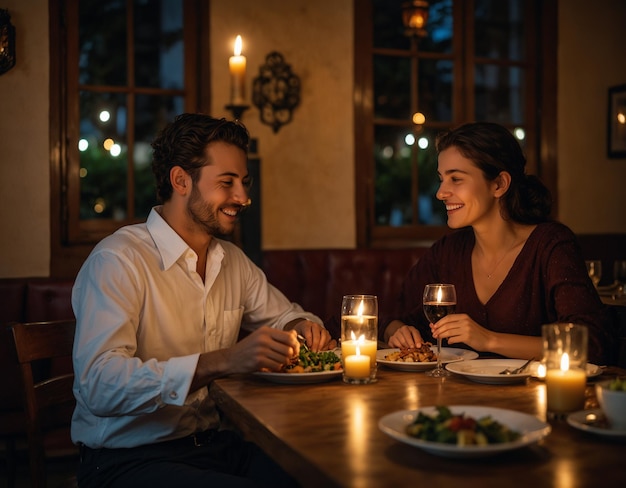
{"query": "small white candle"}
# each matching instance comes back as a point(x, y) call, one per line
point(565, 388)
point(357, 365)
point(237, 66)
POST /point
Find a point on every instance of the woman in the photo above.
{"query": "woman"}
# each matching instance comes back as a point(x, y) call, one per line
point(514, 269)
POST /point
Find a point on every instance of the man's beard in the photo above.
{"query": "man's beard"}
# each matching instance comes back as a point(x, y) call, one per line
point(205, 215)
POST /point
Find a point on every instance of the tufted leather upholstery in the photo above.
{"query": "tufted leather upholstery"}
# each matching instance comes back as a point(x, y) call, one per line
point(318, 279)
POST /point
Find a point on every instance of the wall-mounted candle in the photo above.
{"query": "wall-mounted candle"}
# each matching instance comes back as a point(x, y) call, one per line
point(357, 365)
point(237, 66)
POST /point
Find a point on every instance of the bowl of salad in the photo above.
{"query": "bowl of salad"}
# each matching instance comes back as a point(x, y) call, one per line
point(612, 399)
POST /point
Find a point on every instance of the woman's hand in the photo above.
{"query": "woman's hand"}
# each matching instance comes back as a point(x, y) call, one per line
point(459, 327)
point(404, 336)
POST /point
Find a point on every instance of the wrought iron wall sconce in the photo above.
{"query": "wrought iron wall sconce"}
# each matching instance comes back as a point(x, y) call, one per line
point(276, 91)
point(237, 110)
point(7, 42)
point(415, 17)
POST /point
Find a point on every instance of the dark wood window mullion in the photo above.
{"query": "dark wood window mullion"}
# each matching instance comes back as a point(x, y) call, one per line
point(130, 111)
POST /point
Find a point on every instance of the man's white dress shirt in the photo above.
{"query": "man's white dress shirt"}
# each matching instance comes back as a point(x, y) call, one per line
point(143, 318)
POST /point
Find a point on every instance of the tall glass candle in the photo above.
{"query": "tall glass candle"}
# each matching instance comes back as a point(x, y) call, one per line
point(359, 335)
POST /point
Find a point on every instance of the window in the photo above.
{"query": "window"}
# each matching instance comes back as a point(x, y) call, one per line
point(125, 69)
point(481, 60)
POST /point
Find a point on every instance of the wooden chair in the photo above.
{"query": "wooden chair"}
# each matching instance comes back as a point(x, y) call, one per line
point(49, 400)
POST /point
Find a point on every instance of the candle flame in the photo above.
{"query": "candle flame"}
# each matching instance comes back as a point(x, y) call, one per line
point(541, 371)
point(238, 45)
point(439, 294)
point(358, 351)
point(359, 311)
point(565, 362)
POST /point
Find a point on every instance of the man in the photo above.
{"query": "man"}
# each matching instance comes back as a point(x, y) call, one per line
point(159, 307)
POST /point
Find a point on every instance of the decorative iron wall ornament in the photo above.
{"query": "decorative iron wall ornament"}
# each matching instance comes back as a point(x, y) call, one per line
point(276, 91)
point(7, 42)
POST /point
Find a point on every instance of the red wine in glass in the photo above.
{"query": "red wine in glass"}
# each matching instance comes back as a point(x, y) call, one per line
point(439, 300)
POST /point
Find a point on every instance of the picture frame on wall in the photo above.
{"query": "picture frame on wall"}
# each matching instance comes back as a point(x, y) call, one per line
point(616, 130)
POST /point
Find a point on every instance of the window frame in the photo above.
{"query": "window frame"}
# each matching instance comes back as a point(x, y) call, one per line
point(540, 105)
point(71, 238)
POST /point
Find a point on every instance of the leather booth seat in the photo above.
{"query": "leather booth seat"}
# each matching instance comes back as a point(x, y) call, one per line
point(317, 279)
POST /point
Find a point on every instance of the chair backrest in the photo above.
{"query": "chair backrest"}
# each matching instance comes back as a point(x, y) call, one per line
point(49, 400)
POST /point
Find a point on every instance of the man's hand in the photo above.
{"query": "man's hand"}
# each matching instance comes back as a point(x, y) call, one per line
point(316, 336)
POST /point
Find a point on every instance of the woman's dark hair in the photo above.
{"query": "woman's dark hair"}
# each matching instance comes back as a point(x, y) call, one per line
point(183, 143)
point(493, 149)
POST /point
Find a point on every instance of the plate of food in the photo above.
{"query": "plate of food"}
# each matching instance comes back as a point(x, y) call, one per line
point(421, 359)
point(308, 367)
point(464, 431)
point(488, 370)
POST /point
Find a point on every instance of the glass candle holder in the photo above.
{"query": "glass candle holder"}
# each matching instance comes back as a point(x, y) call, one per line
point(359, 338)
point(565, 360)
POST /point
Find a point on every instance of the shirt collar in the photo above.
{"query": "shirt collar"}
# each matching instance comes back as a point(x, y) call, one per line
point(169, 244)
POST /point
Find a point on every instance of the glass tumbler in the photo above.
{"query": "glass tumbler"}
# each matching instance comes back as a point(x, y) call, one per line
point(565, 359)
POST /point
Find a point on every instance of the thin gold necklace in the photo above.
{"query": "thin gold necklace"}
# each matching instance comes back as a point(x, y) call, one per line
point(489, 275)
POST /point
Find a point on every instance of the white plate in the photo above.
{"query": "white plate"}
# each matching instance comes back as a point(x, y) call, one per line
point(578, 420)
point(592, 370)
point(299, 378)
point(487, 370)
point(531, 429)
point(448, 355)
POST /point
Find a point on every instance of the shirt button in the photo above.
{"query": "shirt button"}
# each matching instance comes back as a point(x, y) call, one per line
point(173, 395)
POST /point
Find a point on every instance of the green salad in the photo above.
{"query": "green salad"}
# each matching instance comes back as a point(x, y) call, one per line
point(460, 429)
point(313, 362)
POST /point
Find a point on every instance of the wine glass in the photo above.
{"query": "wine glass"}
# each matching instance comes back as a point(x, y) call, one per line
point(619, 275)
point(594, 269)
point(439, 300)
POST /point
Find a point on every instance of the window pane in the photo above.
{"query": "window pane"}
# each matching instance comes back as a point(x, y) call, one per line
point(393, 176)
point(389, 31)
point(102, 42)
point(436, 78)
point(159, 43)
point(103, 156)
point(440, 28)
point(500, 95)
point(153, 112)
point(392, 87)
point(499, 29)
point(431, 210)
point(388, 28)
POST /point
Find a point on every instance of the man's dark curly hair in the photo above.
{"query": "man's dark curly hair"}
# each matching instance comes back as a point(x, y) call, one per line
point(183, 143)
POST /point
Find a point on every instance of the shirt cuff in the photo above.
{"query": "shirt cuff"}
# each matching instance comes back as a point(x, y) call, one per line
point(177, 379)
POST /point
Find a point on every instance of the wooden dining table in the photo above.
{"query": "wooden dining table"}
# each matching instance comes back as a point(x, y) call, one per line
point(328, 434)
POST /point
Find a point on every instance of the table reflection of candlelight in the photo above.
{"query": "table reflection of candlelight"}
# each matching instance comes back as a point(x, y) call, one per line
point(565, 387)
point(357, 365)
point(237, 65)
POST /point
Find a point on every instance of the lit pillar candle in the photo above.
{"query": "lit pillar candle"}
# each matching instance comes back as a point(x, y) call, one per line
point(366, 348)
point(565, 388)
point(237, 66)
point(357, 365)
